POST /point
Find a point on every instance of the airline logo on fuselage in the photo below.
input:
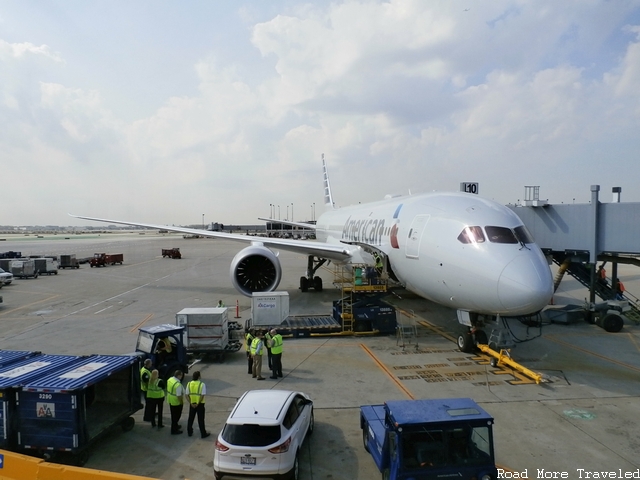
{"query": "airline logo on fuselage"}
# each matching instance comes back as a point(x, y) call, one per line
point(367, 230)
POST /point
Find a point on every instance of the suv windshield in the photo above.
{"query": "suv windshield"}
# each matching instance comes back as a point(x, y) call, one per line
point(251, 435)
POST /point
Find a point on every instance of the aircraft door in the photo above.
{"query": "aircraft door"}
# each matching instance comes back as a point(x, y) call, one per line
point(415, 235)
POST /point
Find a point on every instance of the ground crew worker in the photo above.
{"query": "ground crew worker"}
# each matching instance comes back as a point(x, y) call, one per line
point(276, 353)
point(175, 394)
point(145, 374)
point(267, 345)
point(619, 290)
point(257, 350)
point(155, 398)
point(248, 338)
point(196, 391)
point(602, 275)
point(220, 304)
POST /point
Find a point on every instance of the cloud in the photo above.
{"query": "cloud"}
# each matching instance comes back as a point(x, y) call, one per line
point(399, 95)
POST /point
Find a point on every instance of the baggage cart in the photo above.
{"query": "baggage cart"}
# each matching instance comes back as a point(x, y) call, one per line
point(24, 269)
point(207, 331)
point(113, 258)
point(12, 377)
point(68, 261)
point(69, 409)
point(44, 265)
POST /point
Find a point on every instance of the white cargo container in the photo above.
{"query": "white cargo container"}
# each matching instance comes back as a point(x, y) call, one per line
point(206, 329)
point(269, 308)
point(24, 269)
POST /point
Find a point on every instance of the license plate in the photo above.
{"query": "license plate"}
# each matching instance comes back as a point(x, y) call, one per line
point(247, 460)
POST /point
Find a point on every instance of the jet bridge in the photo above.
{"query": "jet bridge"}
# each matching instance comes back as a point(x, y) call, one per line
point(578, 236)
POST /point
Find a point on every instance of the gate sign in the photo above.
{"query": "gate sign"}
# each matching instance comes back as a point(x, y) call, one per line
point(469, 187)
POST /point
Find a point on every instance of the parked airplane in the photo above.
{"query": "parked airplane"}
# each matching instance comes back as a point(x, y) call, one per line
point(457, 249)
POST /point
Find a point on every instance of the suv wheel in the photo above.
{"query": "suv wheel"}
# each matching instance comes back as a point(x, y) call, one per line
point(295, 471)
point(311, 424)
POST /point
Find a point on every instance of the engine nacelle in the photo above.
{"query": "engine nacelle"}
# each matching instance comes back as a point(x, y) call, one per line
point(255, 269)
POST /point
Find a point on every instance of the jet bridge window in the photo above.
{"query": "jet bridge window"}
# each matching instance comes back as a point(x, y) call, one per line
point(471, 235)
point(500, 235)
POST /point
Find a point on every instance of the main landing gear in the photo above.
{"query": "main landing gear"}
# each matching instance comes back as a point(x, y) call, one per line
point(312, 280)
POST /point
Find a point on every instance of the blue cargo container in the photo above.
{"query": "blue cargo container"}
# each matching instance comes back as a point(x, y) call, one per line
point(8, 357)
point(69, 409)
point(12, 377)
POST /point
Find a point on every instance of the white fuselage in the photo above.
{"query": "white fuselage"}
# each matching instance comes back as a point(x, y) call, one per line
point(420, 236)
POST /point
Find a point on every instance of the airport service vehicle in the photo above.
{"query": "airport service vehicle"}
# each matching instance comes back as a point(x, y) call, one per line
point(68, 261)
point(5, 278)
point(45, 265)
point(207, 331)
point(164, 345)
point(263, 435)
point(69, 408)
point(466, 252)
point(171, 253)
point(429, 439)
point(271, 310)
point(104, 259)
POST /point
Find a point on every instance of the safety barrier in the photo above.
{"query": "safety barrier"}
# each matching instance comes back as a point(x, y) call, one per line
point(14, 466)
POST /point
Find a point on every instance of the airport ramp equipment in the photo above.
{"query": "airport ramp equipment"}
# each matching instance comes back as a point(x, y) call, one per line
point(12, 377)
point(69, 409)
point(7, 357)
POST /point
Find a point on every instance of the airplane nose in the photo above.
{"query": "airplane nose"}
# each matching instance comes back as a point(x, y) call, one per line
point(525, 285)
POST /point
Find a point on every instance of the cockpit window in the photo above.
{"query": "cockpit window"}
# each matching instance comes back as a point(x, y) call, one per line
point(523, 235)
point(500, 235)
point(471, 235)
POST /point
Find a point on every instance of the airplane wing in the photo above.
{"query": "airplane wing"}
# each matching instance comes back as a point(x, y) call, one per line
point(336, 252)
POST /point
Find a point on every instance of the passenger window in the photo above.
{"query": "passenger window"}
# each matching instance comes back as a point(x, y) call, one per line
point(500, 235)
point(291, 416)
point(523, 235)
point(471, 235)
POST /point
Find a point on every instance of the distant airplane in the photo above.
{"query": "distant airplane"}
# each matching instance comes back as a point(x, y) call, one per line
point(456, 249)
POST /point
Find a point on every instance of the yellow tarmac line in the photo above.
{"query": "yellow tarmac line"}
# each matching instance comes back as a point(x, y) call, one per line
point(633, 340)
point(145, 320)
point(28, 305)
point(388, 372)
point(584, 350)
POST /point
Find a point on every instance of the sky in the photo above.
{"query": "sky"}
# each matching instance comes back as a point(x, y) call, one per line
point(219, 111)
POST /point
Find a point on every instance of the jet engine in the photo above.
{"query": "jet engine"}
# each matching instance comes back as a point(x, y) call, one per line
point(255, 269)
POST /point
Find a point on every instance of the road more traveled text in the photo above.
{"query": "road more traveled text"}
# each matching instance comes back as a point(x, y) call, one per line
point(579, 473)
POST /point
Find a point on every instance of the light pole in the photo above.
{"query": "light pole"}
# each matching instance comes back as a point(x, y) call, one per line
point(292, 211)
point(203, 221)
point(287, 213)
point(278, 212)
point(270, 210)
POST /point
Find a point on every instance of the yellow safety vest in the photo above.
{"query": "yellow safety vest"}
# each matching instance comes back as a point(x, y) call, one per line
point(154, 390)
point(172, 387)
point(254, 346)
point(143, 384)
point(276, 345)
point(248, 339)
point(194, 390)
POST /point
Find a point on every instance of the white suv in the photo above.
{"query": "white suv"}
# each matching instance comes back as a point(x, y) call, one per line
point(263, 435)
point(5, 278)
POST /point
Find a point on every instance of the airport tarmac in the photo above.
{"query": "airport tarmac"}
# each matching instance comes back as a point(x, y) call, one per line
point(585, 416)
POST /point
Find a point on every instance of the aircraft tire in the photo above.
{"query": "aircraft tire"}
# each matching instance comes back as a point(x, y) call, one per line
point(304, 284)
point(317, 284)
point(465, 342)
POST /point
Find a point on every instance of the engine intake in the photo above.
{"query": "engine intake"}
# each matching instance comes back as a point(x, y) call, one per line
point(255, 269)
